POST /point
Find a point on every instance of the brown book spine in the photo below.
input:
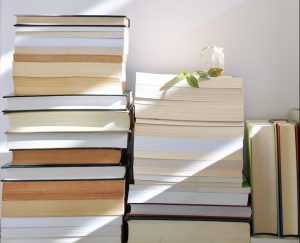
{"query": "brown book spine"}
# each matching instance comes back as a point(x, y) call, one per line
point(66, 156)
point(63, 190)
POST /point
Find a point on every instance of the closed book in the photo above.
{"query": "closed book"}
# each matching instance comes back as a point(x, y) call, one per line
point(155, 231)
point(175, 210)
point(96, 42)
point(69, 58)
point(32, 86)
point(189, 111)
point(288, 177)
point(73, 32)
point(55, 172)
point(63, 208)
point(110, 20)
point(70, 102)
point(67, 156)
point(68, 121)
point(106, 239)
point(168, 87)
point(222, 168)
point(160, 194)
point(263, 166)
point(49, 222)
point(69, 69)
point(63, 190)
point(67, 140)
point(70, 50)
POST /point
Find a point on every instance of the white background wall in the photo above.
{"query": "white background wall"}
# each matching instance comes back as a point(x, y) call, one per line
point(260, 39)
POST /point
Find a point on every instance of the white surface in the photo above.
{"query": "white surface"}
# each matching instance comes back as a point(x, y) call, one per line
point(260, 40)
point(269, 239)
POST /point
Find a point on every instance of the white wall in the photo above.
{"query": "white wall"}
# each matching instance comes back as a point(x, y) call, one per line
point(260, 38)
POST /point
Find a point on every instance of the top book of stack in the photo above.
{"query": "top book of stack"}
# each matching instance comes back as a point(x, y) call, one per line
point(163, 97)
point(69, 55)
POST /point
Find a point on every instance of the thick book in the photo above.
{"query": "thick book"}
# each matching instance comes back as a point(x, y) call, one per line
point(92, 42)
point(155, 231)
point(68, 121)
point(70, 50)
point(62, 172)
point(67, 140)
point(225, 111)
point(63, 208)
point(33, 86)
point(63, 190)
point(49, 222)
point(105, 20)
point(168, 87)
point(69, 69)
point(74, 156)
point(161, 194)
point(93, 239)
point(70, 102)
point(55, 229)
point(288, 164)
point(69, 58)
point(262, 153)
point(270, 239)
point(177, 210)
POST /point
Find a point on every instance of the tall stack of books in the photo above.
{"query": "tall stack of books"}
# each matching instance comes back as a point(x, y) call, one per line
point(188, 162)
point(70, 121)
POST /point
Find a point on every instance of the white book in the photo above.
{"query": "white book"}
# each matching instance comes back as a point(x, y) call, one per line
point(63, 232)
point(205, 167)
point(186, 145)
point(177, 188)
point(191, 178)
point(190, 210)
point(106, 239)
point(32, 41)
point(270, 239)
point(70, 102)
point(48, 222)
point(73, 34)
point(67, 140)
point(172, 231)
point(161, 196)
point(38, 29)
point(16, 173)
point(68, 121)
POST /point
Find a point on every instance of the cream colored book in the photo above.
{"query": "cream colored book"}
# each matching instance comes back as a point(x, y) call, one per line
point(68, 121)
point(223, 168)
point(189, 111)
point(189, 123)
point(263, 166)
point(189, 131)
point(72, 20)
point(288, 176)
point(172, 231)
point(67, 85)
point(46, 33)
point(70, 50)
point(68, 69)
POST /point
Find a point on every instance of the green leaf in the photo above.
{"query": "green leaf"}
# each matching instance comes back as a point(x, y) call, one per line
point(192, 81)
point(202, 74)
point(215, 72)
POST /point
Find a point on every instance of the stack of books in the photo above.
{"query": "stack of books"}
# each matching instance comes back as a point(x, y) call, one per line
point(273, 152)
point(69, 130)
point(188, 162)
